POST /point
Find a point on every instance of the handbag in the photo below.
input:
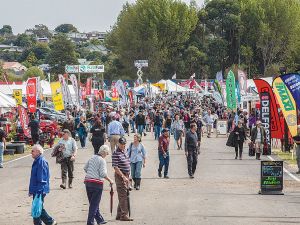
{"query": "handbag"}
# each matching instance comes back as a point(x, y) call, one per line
point(36, 206)
point(86, 129)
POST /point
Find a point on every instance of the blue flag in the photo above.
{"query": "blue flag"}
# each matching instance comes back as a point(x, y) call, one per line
point(219, 77)
point(238, 90)
point(292, 81)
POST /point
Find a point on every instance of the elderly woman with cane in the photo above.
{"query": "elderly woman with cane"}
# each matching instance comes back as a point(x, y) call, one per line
point(137, 155)
point(96, 172)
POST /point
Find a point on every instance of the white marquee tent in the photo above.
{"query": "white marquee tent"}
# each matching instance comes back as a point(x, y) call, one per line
point(172, 87)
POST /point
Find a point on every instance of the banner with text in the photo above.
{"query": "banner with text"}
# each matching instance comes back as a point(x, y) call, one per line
point(224, 93)
point(96, 93)
point(121, 89)
point(88, 86)
point(242, 82)
point(31, 94)
point(24, 120)
point(265, 113)
point(230, 88)
point(18, 96)
point(292, 81)
point(75, 86)
point(57, 96)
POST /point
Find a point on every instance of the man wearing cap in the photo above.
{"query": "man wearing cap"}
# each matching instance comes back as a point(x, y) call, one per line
point(298, 150)
point(157, 122)
point(114, 131)
point(258, 137)
point(163, 152)
point(140, 122)
point(121, 165)
point(69, 148)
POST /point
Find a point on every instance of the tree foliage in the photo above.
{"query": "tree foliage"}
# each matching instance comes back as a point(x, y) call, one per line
point(33, 71)
point(41, 31)
point(6, 29)
point(62, 53)
point(66, 28)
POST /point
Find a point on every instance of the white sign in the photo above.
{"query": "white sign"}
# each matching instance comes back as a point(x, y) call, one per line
point(250, 98)
point(221, 127)
point(91, 69)
point(71, 68)
point(140, 63)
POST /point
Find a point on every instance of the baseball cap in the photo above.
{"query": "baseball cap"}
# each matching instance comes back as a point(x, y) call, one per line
point(165, 130)
point(122, 140)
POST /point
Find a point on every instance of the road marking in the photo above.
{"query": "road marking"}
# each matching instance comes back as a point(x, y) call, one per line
point(288, 172)
point(22, 157)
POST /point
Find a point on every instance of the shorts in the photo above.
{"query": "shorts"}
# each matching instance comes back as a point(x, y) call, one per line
point(199, 137)
point(209, 128)
point(179, 134)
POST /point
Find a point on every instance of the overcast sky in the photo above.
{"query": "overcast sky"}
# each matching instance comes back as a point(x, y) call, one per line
point(85, 15)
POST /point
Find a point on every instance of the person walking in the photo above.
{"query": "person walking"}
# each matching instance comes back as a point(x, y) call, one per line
point(239, 138)
point(140, 122)
point(34, 127)
point(157, 123)
point(207, 119)
point(114, 132)
point(121, 165)
point(96, 172)
point(191, 149)
point(39, 182)
point(69, 149)
point(178, 128)
point(137, 155)
point(163, 152)
point(98, 136)
point(69, 125)
point(258, 138)
point(82, 131)
point(199, 130)
point(2, 146)
point(168, 122)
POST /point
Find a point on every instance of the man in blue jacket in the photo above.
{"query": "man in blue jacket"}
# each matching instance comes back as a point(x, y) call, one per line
point(39, 182)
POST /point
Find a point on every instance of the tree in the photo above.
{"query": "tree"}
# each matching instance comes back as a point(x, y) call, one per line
point(154, 30)
point(41, 50)
point(41, 31)
point(194, 59)
point(62, 53)
point(6, 29)
point(66, 28)
point(31, 58)
point(24, 40)
point(33, 72)
point(1, 39)
point(217, 55)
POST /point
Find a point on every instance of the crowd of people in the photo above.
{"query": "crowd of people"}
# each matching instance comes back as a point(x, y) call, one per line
point(177, 117)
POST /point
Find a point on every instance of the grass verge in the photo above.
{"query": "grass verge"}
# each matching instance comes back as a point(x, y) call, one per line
point(27, 151)
point(286, 156)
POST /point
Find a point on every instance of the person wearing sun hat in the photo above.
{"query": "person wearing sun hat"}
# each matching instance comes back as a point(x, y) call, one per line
point(258, 137)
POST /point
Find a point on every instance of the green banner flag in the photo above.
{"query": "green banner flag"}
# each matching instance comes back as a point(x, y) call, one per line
point(230, 87)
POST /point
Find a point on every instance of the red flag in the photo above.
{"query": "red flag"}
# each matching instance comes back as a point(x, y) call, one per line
point(130, 97)
point(192, 84)
point(96, 93)
point(5, 77)
point(24, 120)
point(263, 86)
point(31, 94)
point(101, 95)
point(89, 86)
point(83, 92)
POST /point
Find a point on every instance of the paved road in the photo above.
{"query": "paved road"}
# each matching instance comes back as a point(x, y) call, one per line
point(224, 191)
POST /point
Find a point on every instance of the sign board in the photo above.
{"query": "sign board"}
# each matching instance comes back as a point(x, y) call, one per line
point(222, 127)
point(91, 68)
point(71, 68)
point(272, 177)
point(250, 98)
point(140, 63)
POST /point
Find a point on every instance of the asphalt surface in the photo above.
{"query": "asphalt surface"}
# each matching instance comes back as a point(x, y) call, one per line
point(224, 190)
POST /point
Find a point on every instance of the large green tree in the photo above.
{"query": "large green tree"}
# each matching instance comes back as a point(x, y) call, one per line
point(66, 28)
point(62, 53)
point(6, 29)
point(152, 30)
point(33, 71)
point(41, 31)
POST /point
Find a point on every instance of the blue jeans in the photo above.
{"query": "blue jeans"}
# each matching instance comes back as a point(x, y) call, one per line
point(133, 127)
point(140, 129)
point(171, 132)
point(163, 162)
point(147, 126)
point(136, 169)
point(1, 152)
point(229, 126)
point(82, 139)
point(91, 124)
point(44, 216)
point(157, 131)
point(94, 196)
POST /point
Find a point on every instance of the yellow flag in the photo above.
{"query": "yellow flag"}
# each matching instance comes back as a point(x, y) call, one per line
point(18, 97)
point(287, 104)
point(57, 96)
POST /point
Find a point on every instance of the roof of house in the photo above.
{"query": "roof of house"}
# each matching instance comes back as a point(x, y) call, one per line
point(9, 65)
point(100, 47)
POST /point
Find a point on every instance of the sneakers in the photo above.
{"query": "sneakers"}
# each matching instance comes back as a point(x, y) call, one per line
point(145, 134)
point(166, 176)
point(192, 176)
point(54, 223)
point(298, 172)
point(126, 218)
point(64, 183)
point(159, 174)
point(103, 222)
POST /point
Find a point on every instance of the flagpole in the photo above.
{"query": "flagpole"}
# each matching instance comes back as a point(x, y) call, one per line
point(7, 83)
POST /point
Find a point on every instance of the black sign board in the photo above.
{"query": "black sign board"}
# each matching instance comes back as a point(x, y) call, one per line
point(265, 117)
point(272, 177)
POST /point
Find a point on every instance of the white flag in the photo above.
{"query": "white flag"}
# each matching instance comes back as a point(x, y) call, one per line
point(121, 88)
point(174, 76)
point(193, 75)
point(75, 86)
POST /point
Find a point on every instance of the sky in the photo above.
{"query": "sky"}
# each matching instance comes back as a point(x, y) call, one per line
point(87, 15)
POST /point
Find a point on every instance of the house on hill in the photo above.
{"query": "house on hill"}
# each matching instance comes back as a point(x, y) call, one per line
point(15, 66)
point(98, 48)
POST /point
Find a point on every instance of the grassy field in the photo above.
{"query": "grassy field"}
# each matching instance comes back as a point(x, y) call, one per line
point(27, 151)
point(285, 156)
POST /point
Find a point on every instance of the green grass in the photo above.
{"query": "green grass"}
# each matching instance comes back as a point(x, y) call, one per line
point(286, 156)
point(27, 151)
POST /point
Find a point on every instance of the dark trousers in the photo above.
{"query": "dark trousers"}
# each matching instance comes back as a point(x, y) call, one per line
point(94, 196)
point(96, 146)
point(44, 216)
point(238, 146)
point(35, 137)
point(229, 126)
point(67, 166)
point(122, 196)
point(192, 160)
point(163, 162)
